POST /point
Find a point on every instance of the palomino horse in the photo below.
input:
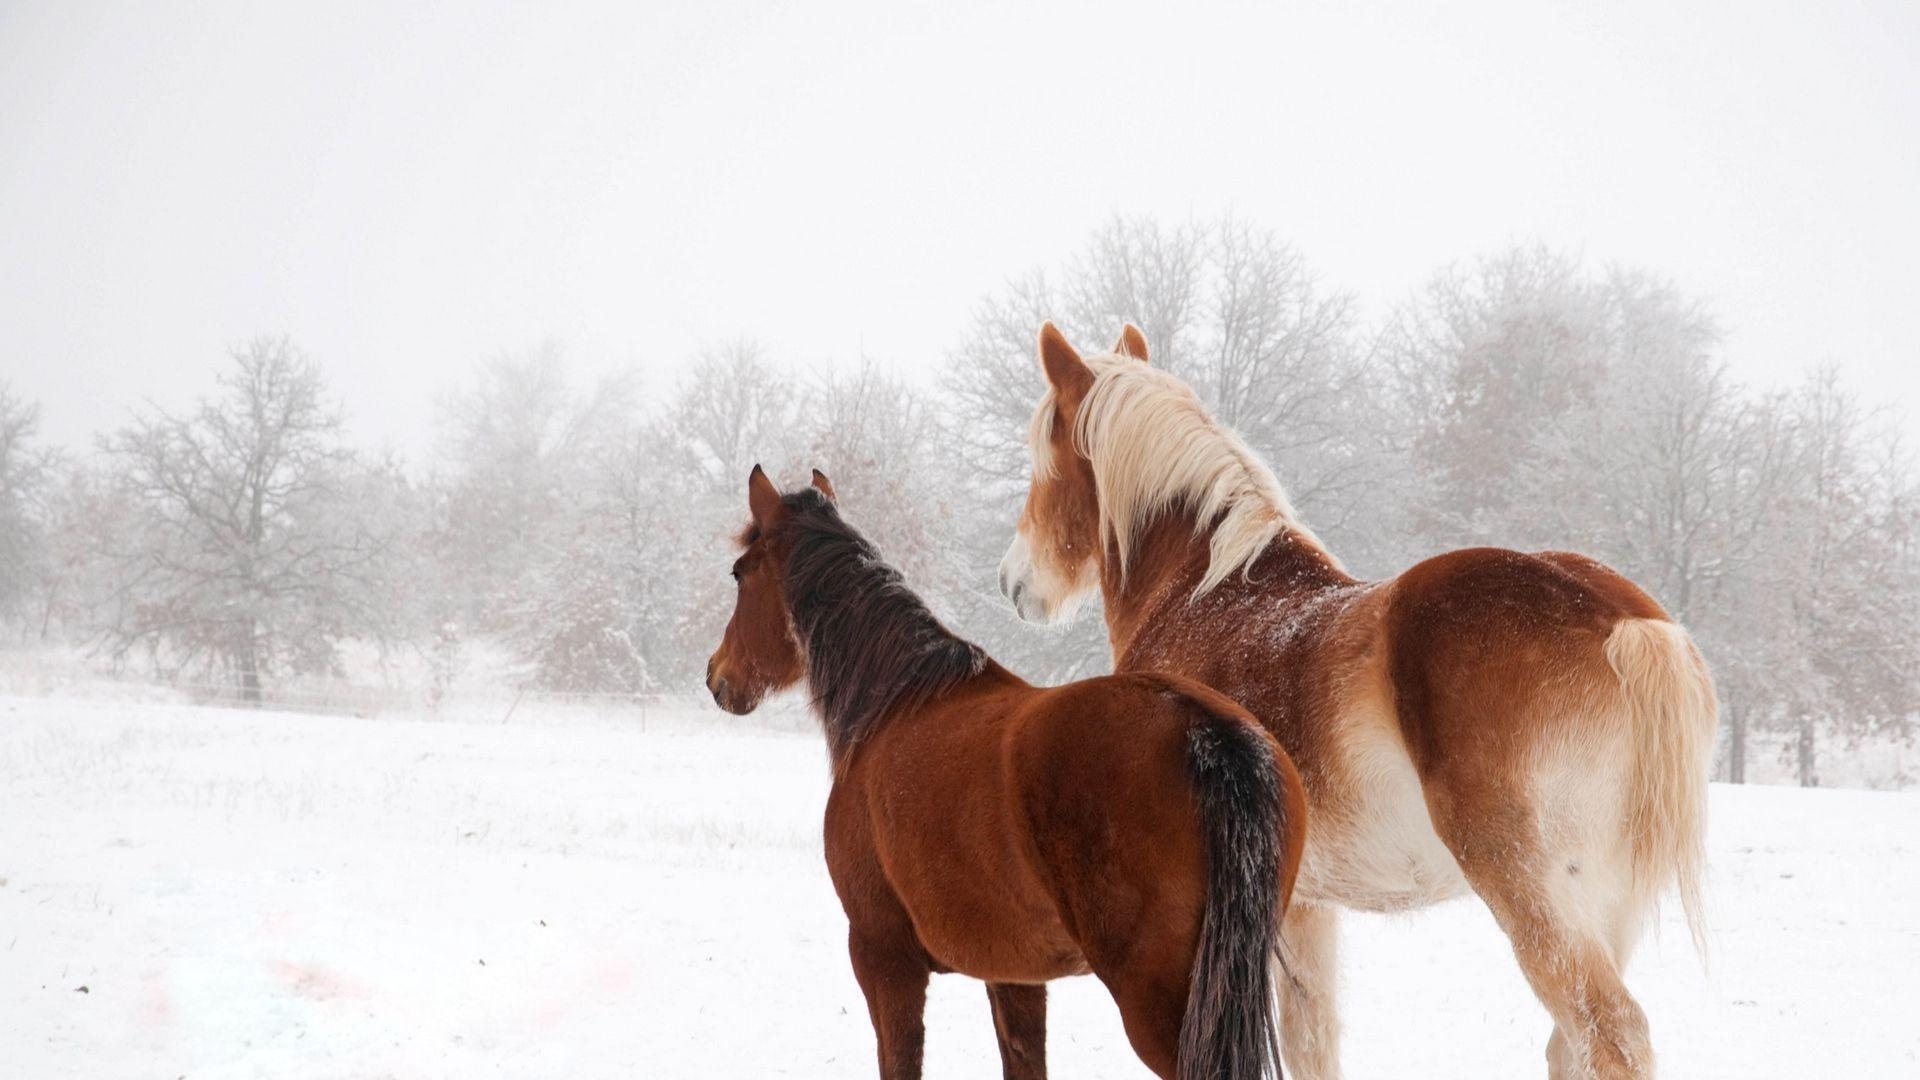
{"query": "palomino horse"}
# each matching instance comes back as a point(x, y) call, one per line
point(1532, 727)
point(1140, 827)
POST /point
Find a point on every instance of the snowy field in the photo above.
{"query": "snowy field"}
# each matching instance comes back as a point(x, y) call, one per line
point(190, 892)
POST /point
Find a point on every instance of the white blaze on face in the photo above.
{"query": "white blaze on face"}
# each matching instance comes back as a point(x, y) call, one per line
point(1039, 594)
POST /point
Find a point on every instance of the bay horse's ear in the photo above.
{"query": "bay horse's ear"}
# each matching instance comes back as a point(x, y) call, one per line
point(825, 486)
point(1069, 375)
point(1132, 343)
point(762, 497)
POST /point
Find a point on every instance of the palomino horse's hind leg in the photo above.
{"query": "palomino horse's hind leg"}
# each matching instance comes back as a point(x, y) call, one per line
point(1309, 1020)
point(1600, 1031)
point(1020, 1023)
point(1626, 919)
point(893, 975)
point(1569, 934)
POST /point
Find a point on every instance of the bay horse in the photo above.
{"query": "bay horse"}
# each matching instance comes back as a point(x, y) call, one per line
point(1532, 727)
point(1139, 827)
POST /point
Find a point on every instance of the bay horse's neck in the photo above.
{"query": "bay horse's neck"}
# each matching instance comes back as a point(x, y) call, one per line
point(870, 644)
point(1170, 557)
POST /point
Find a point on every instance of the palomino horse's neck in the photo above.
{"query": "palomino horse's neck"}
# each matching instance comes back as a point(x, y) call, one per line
point(1170, 557)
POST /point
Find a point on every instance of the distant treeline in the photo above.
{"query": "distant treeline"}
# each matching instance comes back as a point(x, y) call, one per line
point(1520, 399)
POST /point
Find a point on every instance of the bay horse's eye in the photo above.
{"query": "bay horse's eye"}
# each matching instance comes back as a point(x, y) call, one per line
point(735, 572)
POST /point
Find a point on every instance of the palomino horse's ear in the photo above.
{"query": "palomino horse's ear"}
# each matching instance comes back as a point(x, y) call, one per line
point(1132, 343)
point(762, 497)
point(1069, 375)
point(825, 485)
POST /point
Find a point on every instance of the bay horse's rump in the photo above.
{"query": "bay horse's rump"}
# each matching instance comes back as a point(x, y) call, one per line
point(989, 804)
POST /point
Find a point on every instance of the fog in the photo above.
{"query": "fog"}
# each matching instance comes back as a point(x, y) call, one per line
point(406, 193)
point(486, 313)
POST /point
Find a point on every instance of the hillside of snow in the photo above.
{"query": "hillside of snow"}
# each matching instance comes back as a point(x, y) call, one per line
point(189, 892)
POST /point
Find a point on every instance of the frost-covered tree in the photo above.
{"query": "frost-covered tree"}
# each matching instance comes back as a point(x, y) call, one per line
point(25, 473)
point(515, 443)
point(733, 409)
point(880, 442)
point(245, 537)
point(1847, 639)
point(877, 437)
point(1489, 359)
point(604, 604)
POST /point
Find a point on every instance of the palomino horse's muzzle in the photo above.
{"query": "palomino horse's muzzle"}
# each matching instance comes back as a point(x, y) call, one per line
point(1016, 582)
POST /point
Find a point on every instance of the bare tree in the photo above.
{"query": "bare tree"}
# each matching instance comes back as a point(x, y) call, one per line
point(250, 543)
point(879, 440)
point(1852, 659)
point(597, 612)
point(25, 470)
point(621, 580)
point(733, 410)
point(516, 443)
point(1488, 359)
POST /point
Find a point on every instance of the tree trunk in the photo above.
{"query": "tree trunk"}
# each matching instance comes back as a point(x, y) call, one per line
point(1809, 773)
point(1736, 747)
point(248, 661)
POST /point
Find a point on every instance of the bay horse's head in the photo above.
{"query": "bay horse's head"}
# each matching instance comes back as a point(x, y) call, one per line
point(1053, 562)
point(760, 653)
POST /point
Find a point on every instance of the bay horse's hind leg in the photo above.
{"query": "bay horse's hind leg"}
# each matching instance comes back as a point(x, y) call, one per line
point(1020, 1023)
point(1309, 1022)
point(1153, 999)
point(1569, 911)
point(893, 972)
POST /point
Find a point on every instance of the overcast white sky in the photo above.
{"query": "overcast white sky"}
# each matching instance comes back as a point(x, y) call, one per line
point(406, 192)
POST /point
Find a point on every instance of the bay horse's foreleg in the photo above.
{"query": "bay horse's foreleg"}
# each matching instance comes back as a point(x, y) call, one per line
point(1020, 1022)
point(893, 973)
point(1309, 1016)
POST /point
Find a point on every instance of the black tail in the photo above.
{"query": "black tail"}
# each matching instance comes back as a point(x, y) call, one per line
point(1229, 1031)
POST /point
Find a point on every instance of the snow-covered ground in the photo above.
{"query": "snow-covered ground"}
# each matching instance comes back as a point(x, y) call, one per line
point(190, 892)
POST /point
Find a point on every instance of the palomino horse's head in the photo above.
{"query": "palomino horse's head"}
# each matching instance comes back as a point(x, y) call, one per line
point(1053, 562)
point(759, 652)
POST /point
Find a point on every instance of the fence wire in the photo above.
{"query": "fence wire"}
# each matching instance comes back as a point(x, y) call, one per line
point(360, 700)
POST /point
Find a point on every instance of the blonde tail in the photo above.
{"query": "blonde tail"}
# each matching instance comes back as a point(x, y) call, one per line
point(1674, 712)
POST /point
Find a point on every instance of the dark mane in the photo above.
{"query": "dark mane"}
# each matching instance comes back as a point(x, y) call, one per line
point(871, 644)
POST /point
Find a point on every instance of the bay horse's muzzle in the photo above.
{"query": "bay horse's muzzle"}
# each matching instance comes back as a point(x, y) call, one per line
point(724, 693)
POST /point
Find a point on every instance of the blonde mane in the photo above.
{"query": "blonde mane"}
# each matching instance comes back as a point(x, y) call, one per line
point(1153, 448)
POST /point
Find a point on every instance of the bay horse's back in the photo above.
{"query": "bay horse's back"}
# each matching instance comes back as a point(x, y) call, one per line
point(1171, 826)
